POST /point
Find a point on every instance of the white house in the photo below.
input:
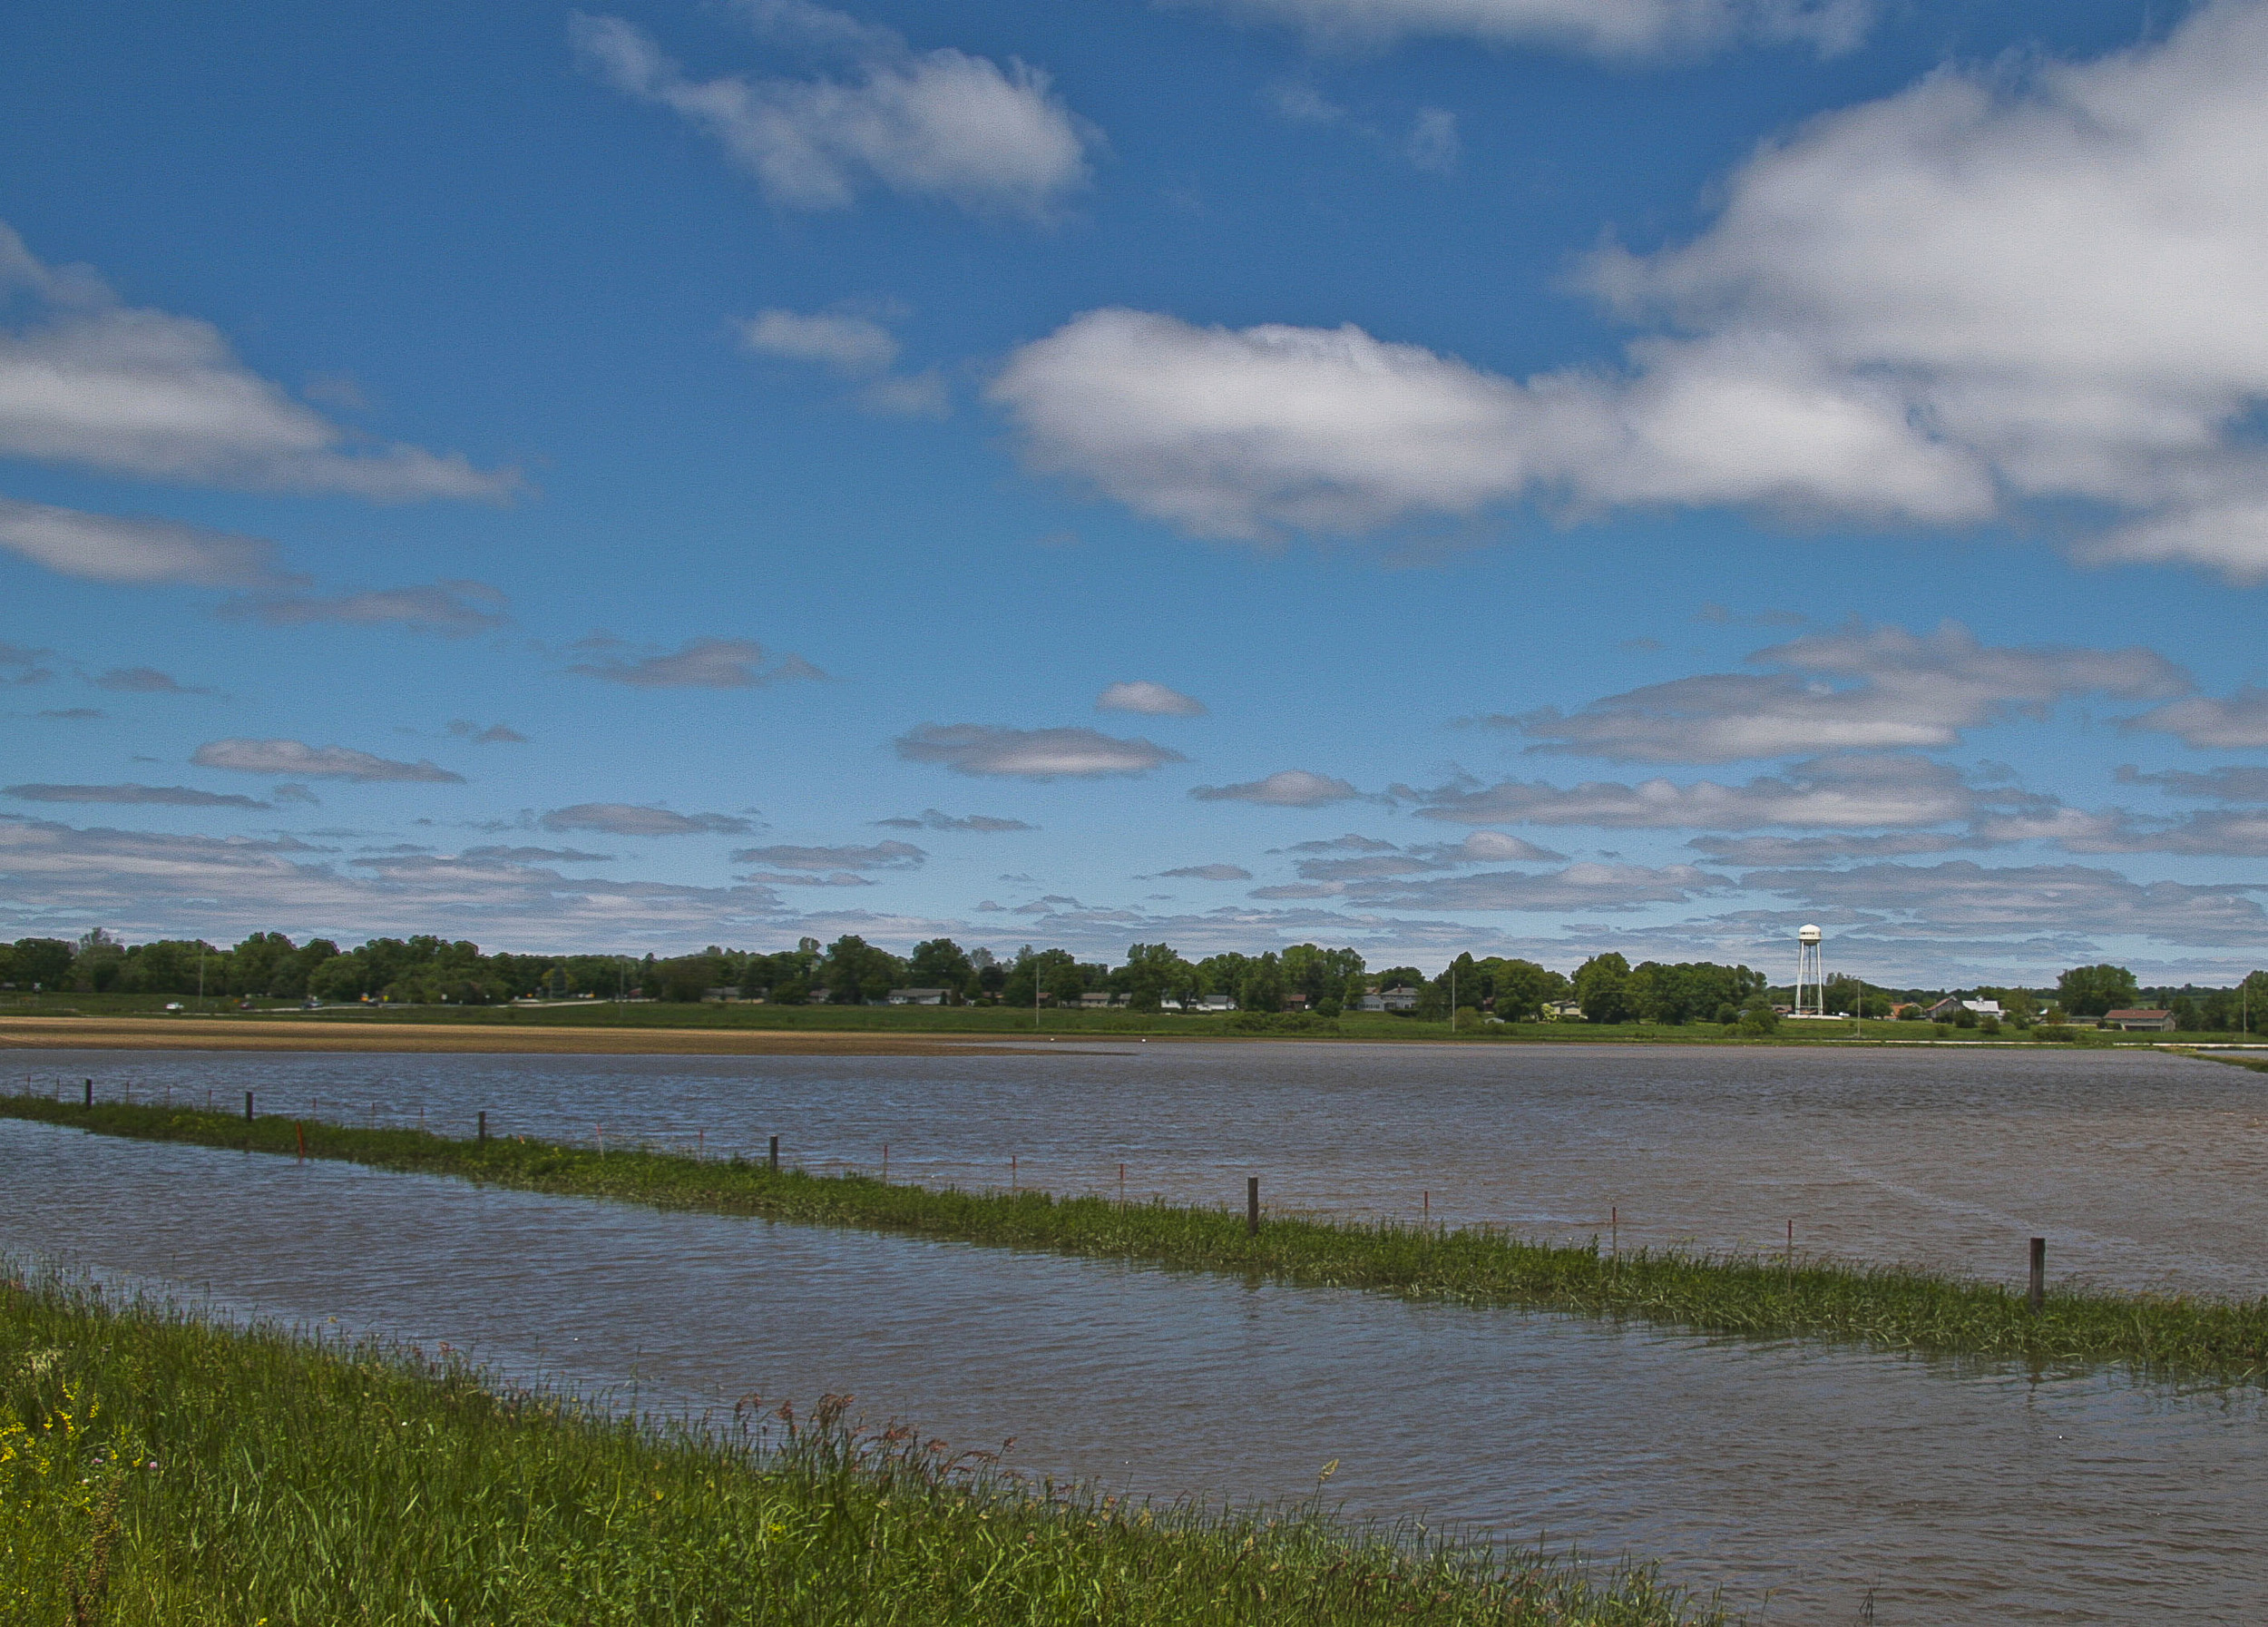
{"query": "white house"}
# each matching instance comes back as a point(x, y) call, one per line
point(917, 997)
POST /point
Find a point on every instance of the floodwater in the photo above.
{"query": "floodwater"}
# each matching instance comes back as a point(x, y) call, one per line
point(2142, 1170)
point(1809, 1483)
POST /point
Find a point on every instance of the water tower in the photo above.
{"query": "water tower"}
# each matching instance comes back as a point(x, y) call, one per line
point(1810, 974)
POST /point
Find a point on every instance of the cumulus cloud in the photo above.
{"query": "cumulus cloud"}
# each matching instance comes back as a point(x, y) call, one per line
point(104, 385)
point(1619, 29)
point(932, 819)
point(2239, 723)
point(1359, 859)
point(1209, 873)
point(1991, 293)
point(877, 856)
point(1286, 787)
point(702, 664)
point(1154, 699)
point(1031, 753)
point(169, 796)
point(1431, 144)
point(849, 344)
point(134, 551)
point(627, 819)
point(1783, 850)
point(1962, 896)
point(314, 762)
point(1847, 792)
point(454, 607)
point(495, 734)
point(1583, 887)
point(937, 123)
point(149, 885)
point(537, 856)
point(1861, 689)
point(143, 681)
point(2227, 783)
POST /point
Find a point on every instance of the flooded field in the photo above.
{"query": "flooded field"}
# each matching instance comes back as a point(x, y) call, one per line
point(1804, 1480)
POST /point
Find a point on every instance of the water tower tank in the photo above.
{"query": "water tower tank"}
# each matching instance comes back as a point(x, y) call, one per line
point(1807, 934)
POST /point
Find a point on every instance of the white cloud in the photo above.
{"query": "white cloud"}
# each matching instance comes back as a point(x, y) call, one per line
point(454, 607)
point(1154, 699)
point(1614, 29)
point(1358, 859)
point(1836, 793)
point(908, 395)
point(147, 884)
point(934, 123)
point(140, 392)
point(627, 818)
point(852, 344)
point(2239, 723)
point(1209, 873)
point(1780, 851)
point(314, 762)
point(1960, 896)
point(1990, 294)
point(1901, 690)
point(1432, 144)
point(2227, 783)
point(136, 549)
point(1286, 787)
point(878, 856)
point(1583, 887)
point(932, 819)
point(701, 663)
point(1031, 753)
point(168, 796)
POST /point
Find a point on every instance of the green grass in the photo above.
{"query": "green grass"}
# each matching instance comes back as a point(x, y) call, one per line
point(1889, 1306)
point(1009, 1022)
point(165, 1472)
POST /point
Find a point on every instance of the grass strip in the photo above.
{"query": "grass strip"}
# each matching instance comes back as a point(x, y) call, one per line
point(160, 1469)
point(1759, 1296)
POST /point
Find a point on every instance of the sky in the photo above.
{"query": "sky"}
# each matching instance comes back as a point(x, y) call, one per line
point(1531, 477)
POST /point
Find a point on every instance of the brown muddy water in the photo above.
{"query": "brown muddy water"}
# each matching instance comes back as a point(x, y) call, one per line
point(1810, 1483)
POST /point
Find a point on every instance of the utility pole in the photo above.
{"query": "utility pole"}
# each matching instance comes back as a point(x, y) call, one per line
point(1453, 997)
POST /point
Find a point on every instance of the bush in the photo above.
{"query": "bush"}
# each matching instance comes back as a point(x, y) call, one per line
point(1988, 1026)
point(2055, 1031)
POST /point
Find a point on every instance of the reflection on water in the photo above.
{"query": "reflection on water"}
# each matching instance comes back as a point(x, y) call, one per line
point(2142, 1170)
point(1800, 1479)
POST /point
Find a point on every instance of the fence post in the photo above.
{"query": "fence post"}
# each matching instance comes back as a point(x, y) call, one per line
point(90, 1092)
point(1252, 1206)
point(248, 1107)
point(481, 1136)
point(772, 1157)
point(2039, 1273)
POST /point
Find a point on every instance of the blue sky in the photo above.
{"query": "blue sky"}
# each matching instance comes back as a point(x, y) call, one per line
point(1540, 477)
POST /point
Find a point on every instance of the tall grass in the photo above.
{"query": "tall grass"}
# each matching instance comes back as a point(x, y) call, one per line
point(1766, 1295)
point(166, 1471)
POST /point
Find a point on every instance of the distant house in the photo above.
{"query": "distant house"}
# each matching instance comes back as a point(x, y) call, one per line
point(1396, 999)
point(1215, 1003)
point(917, 997)
point(1951, 1007)
point(2140, 1020)
point(1562, 1011)
point(1094, 1002)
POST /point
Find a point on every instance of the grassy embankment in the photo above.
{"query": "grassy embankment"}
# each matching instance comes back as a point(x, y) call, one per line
point(1752, 1296)
point(157, 1469)
point(1010, 1022)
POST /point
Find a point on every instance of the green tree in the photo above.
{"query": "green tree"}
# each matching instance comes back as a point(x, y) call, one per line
point(2090, 990)
point(1601, 984)
point(858, 972)
point(940, 962)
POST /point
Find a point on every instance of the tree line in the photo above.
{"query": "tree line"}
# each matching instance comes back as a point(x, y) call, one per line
point(1605, 988)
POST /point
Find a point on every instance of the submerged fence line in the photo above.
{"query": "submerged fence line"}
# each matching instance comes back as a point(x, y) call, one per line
point(1753, 1295)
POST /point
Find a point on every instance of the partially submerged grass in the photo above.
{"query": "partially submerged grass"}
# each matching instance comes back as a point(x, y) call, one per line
point(1764, 1296)
point(155, 1468)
